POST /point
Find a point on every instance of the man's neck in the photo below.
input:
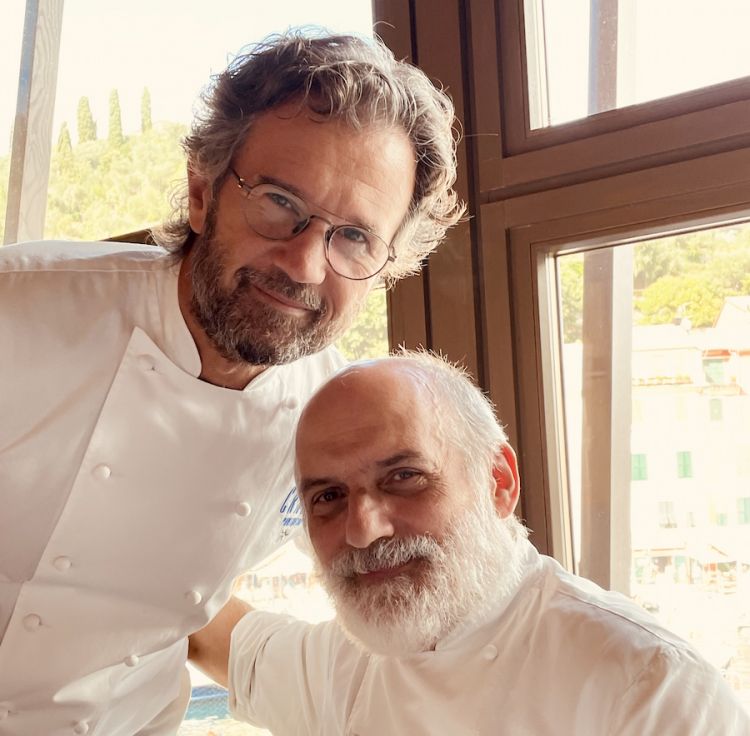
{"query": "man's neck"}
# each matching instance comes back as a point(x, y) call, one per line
point(215, 368)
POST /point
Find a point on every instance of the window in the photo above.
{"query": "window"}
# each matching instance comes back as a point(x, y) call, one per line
point(638, 467)
point(588, 57)
point(659, 332)
point(587, 257)
point(714, 369)
point(743, 510)
point(715, 410)
point(11, 34)
point(684, 465)
point(667, 515)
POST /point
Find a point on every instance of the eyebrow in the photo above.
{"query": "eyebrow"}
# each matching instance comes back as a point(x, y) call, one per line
point(308, 483)
point(265, 179)
point(399, 458)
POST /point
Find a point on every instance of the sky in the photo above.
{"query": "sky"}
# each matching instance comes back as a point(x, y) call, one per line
point(170, 46)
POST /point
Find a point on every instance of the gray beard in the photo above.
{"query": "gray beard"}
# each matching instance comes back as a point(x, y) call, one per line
point(244, 329)
point(454, 582)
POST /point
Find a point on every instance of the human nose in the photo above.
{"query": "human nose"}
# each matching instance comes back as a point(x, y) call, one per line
point(367, 520)
point(303, 258)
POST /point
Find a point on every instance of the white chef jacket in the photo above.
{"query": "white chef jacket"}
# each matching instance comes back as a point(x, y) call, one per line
point(560, 657)
point(131, 493)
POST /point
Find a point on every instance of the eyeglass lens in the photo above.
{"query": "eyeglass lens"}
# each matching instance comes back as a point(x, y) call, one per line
point(276, 214)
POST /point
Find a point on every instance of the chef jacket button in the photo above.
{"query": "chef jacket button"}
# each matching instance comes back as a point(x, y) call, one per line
point(146, 362)
point(81, 728)
point(4, 711)
point(131, 660)
point(291, 403)
point(194, 597)
point(242, 509)
point(102, 472)
point(489, 652)
point(32, 622)
point(62, 563)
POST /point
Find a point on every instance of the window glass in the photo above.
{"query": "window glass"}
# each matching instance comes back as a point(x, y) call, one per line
point(639, 467)
point(11, 37)
point(683, 541)
point(715, 410)
point(684, 465)
point(743, 510)
point(633, 51)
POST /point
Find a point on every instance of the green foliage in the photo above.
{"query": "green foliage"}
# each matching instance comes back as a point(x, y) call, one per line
point(673, 298)
point(115, 135)
point(85, 120)
point(64, 144)
point(146, 123)
point(685, 276)
point(692, 274)
point(571, 286)
point(99, 190)
point(368, 337)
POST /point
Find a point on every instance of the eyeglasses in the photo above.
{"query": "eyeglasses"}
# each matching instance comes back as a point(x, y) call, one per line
point(274, 213)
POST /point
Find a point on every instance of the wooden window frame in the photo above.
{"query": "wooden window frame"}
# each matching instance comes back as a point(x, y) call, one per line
point(654, 169)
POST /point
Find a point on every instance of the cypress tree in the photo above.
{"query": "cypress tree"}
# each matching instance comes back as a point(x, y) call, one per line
point(145, 110)
point(115, 119)
point(86, 124)
point(64, 145)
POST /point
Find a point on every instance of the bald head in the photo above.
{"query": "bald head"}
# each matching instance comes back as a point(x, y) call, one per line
point(381, 392)
point(458, 411)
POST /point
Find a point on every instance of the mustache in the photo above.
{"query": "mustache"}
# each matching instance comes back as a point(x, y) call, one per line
point(275, 280)
point(385, 553)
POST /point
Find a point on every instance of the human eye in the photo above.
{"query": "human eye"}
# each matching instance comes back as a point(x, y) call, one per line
point(273, 199)
point(356, 236)
point(280, 200)
point(404, 480)
point(327, 501)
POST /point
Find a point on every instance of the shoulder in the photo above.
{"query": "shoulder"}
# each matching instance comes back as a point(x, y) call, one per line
point(610, 616)
point(68, 257)
point(60, 288)
point(629, 673)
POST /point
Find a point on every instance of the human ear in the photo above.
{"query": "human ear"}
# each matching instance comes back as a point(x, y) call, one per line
point(199, 200)
point(507, 482)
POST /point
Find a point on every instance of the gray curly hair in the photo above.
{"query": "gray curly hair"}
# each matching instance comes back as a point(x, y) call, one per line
point(342, 77)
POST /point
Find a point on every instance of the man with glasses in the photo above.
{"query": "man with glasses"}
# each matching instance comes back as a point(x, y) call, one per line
point(149, 395)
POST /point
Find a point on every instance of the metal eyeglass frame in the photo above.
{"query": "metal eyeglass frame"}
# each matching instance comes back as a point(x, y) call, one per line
point(302, 226)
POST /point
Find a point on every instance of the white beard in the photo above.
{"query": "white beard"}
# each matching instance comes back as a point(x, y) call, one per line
point(452, 582)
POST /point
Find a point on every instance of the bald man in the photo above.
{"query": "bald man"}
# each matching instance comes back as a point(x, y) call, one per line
point(448, 620)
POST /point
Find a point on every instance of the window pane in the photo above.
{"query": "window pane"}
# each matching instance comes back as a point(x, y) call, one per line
point(588, 56)
point(11, 36)
point(684, 547)
point(368, 336)
point(639, 467)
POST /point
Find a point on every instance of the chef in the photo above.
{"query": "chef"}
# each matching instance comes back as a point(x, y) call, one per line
point(149, 395)
point(448, 621)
